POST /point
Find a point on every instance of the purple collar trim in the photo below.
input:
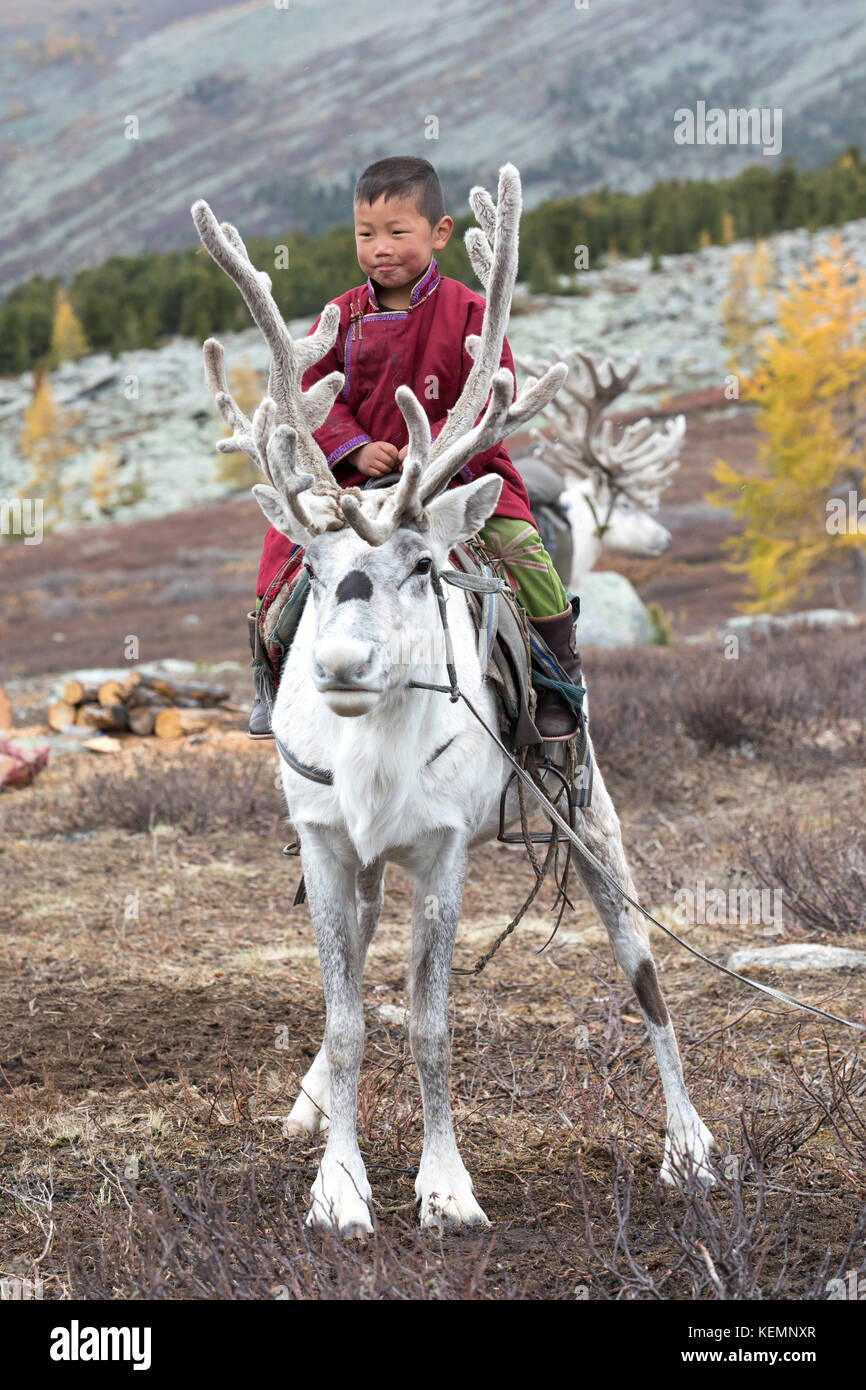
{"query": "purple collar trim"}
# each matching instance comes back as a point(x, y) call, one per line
point(429, 280)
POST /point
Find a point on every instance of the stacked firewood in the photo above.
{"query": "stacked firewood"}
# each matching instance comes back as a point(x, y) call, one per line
point(141, 704)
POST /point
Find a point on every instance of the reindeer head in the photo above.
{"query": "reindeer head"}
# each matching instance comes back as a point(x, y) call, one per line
point(370, 554)
point(616, 520)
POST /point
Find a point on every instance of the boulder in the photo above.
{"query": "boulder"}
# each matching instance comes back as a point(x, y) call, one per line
point(799, 955)
point(753, 627)
point(611, 614)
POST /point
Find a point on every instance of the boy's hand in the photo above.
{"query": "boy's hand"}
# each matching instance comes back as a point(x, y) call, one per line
point(376, 459)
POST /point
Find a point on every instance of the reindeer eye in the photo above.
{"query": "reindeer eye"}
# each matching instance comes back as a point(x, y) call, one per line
point(424, 565)
point(309, 568)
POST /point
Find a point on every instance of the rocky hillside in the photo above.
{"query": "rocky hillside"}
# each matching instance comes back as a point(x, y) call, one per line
point(118, 115)
point(165, 438)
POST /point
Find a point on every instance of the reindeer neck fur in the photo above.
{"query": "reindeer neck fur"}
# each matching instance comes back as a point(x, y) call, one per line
point(386, 792)
point(586, 545)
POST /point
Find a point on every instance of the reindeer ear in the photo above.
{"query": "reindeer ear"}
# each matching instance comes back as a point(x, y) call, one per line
point(277, 514)
point(461, 511)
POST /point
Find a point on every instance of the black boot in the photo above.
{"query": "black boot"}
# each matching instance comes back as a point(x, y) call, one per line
point(260, 718)
point(554, 717)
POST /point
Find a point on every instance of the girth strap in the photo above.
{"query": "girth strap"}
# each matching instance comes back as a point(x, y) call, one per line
point(312, 774)
point(325, 778)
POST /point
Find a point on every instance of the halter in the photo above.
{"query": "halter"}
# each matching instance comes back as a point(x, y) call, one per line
point(479, 584)
point(602, 528)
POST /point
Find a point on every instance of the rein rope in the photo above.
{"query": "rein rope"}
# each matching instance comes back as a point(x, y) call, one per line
point(524, 779)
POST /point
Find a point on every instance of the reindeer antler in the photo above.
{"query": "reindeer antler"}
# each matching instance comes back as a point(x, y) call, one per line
point(641, 463)
point(428, 468)
point(492, 248)
point(280, 436)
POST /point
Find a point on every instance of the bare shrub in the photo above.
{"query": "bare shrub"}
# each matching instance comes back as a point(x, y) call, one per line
point(741, 1240)
point(820, 870)
point(208, 1237)
point(197, 794)
point(724, 704)
point(781, 699)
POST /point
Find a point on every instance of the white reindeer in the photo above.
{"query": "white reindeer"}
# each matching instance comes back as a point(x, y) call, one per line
point(613, 488)
point(390, 772)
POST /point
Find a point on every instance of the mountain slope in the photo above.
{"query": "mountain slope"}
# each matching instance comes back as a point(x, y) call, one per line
point(255, 108)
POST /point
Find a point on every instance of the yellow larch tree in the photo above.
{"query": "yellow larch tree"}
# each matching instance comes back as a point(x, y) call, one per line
point(68, 341)
point(809, 386)
point(45, 442)
point(104, 483)
point(746, 308)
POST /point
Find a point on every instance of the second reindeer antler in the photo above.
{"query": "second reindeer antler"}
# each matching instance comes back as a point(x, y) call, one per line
point(641, 462)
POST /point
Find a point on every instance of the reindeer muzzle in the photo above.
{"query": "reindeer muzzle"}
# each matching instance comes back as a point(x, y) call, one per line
point(348, 672)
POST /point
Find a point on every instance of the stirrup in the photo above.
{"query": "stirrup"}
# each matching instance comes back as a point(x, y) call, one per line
point(537, 837)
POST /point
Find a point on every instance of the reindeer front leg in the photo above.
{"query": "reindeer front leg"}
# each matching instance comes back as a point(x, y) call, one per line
point(341, 1192)
point(443, 1187)
point(311, 1112)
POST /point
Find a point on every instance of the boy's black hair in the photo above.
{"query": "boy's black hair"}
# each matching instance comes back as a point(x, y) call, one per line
point(403, 176)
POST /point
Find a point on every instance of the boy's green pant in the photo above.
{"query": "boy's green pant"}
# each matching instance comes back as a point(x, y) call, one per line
point(524, 562)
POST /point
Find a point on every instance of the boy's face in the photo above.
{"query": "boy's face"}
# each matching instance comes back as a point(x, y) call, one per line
point(395, 242)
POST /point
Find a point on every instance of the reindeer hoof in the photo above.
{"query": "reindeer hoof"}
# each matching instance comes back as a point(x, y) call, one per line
point(447, 1201)
point(305, 1120)
point(340, 1197)
point(687, 1151)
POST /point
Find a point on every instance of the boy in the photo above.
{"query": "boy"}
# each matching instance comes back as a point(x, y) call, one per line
point(408, 324)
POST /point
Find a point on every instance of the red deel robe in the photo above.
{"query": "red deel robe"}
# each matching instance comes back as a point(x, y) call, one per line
point(422, 347)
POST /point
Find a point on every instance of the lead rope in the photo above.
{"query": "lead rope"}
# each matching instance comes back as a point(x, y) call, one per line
point(455, 694)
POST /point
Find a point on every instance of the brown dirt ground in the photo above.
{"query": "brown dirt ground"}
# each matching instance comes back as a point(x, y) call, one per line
point(157, 1037)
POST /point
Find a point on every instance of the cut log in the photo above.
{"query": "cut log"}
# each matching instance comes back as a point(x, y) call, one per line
point(77, 692)
point(5, 710)
point(141, 720)
point(177, 691)
point(139, 697)
point(98, 717)
point(102, 745)
point(60, 714)
point(175, 723)
point(109, 694)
